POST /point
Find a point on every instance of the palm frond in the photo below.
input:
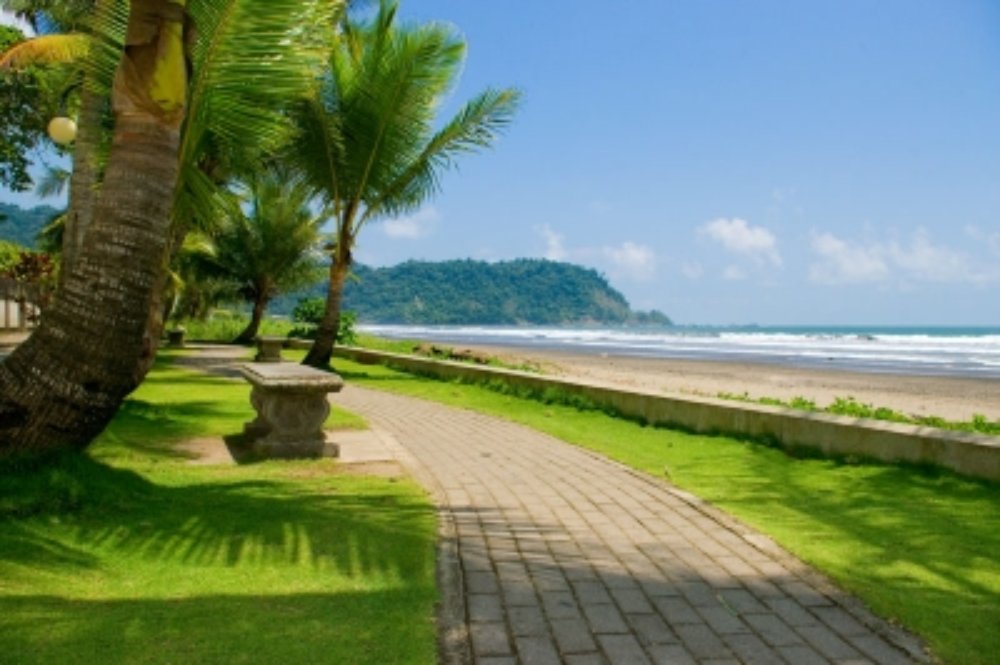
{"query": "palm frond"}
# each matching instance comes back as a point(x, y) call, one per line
point(53, 182)
point(318, 146)
point(46, 50)
point(389, 81)
point(476, 126)
point(200, 204)
point(106, 26)
point(251, 60)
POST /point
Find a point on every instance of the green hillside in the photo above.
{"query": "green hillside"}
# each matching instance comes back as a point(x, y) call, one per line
point(21, 226)
point(523, 291)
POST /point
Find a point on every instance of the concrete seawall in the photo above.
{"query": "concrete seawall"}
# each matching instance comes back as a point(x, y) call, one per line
point(969, 454)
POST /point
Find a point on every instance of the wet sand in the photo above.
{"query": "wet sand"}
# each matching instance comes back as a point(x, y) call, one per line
point(953, 398)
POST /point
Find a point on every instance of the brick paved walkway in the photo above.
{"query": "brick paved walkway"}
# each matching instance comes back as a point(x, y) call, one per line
point(562, 556)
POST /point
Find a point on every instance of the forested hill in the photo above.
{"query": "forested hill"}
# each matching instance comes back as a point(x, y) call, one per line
point(524, 291)
point(21, 226)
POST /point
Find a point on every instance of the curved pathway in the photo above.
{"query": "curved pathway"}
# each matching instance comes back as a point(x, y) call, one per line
point(553, 554)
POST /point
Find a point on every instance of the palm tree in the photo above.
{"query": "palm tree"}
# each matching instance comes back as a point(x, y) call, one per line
point(367, 140)
point(269, 249)
point(61, 387)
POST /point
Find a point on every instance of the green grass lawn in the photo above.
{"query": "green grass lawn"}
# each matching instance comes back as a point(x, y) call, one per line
point(921, 546)
point(133, 555)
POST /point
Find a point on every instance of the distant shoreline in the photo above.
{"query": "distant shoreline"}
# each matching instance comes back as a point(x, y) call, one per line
point(949, 397)
point(969, 352)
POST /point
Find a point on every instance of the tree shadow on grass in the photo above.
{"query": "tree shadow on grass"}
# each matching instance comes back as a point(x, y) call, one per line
point(88, 508)
point(924, 535)
point(171, 423)
point(351, 561)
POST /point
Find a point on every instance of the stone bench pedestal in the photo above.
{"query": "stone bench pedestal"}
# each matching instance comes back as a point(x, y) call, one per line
point(269, 349)
point(291, 404)
point(175, 338)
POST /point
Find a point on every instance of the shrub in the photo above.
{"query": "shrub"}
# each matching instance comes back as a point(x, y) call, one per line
point(308, 312)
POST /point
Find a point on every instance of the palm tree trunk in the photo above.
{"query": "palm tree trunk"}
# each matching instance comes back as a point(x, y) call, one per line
point(61, 387)
point(83, 181)
point(250, 332)
point(326, 335)
point(64, 384)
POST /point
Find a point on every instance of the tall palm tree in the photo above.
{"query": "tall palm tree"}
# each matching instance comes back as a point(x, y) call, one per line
point(367, 139)
point(268, 249)
point(61, 387)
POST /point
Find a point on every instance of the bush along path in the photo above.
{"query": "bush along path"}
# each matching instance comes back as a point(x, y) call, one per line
point(562, 556)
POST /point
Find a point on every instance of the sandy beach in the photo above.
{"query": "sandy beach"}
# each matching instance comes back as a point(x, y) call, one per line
point(953, 398)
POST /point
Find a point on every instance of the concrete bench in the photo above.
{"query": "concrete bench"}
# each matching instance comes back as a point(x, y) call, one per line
point(291, 404)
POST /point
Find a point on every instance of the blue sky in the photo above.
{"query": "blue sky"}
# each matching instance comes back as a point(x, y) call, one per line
point(772, 162)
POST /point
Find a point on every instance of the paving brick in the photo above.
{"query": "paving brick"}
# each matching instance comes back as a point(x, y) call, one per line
point(489, 639)
point(585, 659)
point(773, 630)
point(560, 605)
point(527, 621)
point(800, 654)
point(519, 595)
point(591, 593)
point(791, 612)
point(698, 594)
point(614, 577)
point(573, 636)
point(550, 581)
point(605, 619)
point(623, 650)
point(804, 594)
point(650, 629)
point(670, 654)
point(742, 601)
point(722, 620)
point(761, 588)
point(677, 611)
point(485, 607)
point(840, 621)
point(879, 650)
point(658, 587)
point(751, 650)
point(496, 660)
point(632, 601)
point(822, 639)
point(701, 641)
point(537, 651)
point(481, 583)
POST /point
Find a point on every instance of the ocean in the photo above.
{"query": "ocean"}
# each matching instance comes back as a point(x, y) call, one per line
point(934, 351)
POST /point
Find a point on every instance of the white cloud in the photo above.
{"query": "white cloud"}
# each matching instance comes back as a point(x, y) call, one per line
point(915, 260)
point(555, 250)
point(634, 260)
point(926, 262)
point(990, 239)
point(628, 260)
point(842, 263)
point(411, 227)
point(738, 237)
